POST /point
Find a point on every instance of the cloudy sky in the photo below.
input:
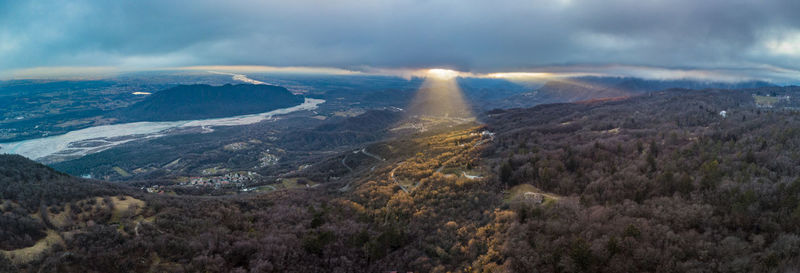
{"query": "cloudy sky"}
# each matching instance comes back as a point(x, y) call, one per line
point(710, 38)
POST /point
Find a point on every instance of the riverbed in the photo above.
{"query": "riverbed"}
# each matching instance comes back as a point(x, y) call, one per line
point(90, 140)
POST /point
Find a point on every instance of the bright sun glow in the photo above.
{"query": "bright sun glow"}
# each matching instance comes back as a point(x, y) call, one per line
point(442, 74)
point(788, 45)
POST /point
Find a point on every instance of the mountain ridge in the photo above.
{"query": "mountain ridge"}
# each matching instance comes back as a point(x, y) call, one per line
point(588, 88)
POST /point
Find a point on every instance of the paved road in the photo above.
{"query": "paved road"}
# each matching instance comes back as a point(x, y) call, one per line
point(345, 164)
point(364, 151)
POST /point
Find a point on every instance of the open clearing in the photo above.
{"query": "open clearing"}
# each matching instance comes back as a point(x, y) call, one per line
point(31, 253)
point(519, 191)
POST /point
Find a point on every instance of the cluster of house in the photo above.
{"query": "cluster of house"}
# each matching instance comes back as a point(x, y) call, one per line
point(155, 189)
point(267, 160)
point(237, 178)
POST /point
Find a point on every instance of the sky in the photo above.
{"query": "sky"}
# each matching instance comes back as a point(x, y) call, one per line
point(715, 39)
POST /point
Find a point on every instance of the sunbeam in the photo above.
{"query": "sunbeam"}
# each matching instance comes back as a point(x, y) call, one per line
point(440, 96)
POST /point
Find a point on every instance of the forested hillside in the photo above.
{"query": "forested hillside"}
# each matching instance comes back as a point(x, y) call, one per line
point(673, 181)
point(369, 221)
point(680, 181)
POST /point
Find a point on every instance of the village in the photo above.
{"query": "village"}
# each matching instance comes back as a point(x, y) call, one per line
point(235, 178)
point(238, 180)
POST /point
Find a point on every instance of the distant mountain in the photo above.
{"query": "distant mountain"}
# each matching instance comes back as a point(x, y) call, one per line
point(186, 102)
point(587, 88)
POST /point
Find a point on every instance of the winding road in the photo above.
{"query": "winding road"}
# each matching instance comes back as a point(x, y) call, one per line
point(391, 175)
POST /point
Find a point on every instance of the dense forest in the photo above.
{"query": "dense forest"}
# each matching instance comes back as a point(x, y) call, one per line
point(679, 181)
point(672, 181)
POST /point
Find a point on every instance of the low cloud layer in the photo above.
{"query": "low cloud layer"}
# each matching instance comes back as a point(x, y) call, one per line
point(748, 38)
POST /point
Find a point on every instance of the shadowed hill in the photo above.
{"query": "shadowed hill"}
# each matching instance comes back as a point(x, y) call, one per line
point(31, 184)
point(27, 191)
point(186, 102)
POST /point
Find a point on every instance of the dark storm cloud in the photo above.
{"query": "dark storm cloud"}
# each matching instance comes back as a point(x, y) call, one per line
point(480, 36)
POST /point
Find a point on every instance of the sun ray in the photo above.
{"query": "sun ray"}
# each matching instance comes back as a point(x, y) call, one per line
point(440, 96)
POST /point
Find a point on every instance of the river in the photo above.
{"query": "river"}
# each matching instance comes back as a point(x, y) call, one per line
point(90, 140)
